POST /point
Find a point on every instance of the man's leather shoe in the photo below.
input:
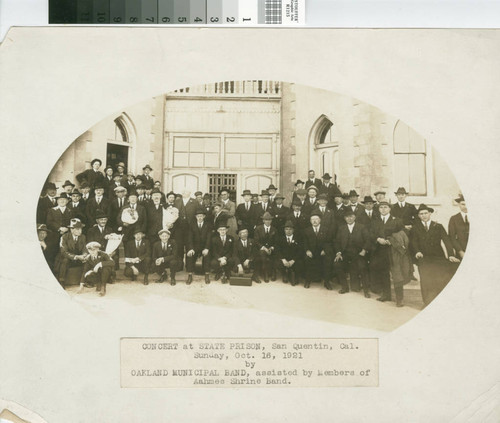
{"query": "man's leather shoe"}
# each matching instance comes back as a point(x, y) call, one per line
point(367, 294)
point(307, 284)
point(343, 291)
point(207, 278)
point(328, 285)
point(218, 275)
point(383, 298)
point(224, 279)
point(189, 279)
point(256, 279)
point(285, 279)
point(172, 281)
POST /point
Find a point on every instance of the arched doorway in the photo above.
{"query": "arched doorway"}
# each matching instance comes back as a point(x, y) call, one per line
point(119, 142)
point(324, 145)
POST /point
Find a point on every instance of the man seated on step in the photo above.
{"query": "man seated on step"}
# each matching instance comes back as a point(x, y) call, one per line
point(137, 257)
point(222, 253)
point(97, 269)
point(244, 254)
point(289, 253)
point(165, 257)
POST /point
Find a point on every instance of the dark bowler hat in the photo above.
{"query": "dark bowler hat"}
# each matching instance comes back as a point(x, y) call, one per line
point(348, 212)
point(147, 167)
point(207, 196)
point(299, 182)
point(100, 215)
point(50, 185)
point(368, 199)
point(353, 193)
point(68, 183)
point(224, 189)
point(140, 186)
point(137, 230)
point(379, 192)
point(200, 210)
point(401, 190)
point(267, 216)
point(289, 224)
point(99, 185)
point(132, 192)
point(301, 191)
point(84, 184)
point(242, 228)
point(296, 203)
point(345, 195)
point(271, 187)
point(222, 224)
point(155, 191)
point(96, 160)
point(246, 192)
point(459, 199)
point(62, 195)
point(76, 192)
point(337, 194)
point(42, 228)
point(116, 175)
point(316, 213)
point(170, 193)
point(198, 193)
point(279, 196)
point(264, 192)
point(327, 176)
point(425, 207)
point(323, 197)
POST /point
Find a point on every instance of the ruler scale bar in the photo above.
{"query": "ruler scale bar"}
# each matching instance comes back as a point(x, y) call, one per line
point(177, 12)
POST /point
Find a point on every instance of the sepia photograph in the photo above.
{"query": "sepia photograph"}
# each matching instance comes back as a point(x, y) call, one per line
point(250, 183)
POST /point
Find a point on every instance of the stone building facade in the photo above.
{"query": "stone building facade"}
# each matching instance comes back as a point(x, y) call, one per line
point(249, 134)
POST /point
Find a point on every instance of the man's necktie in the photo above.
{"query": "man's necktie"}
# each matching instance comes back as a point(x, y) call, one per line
point(466, 220)
point(289, 241)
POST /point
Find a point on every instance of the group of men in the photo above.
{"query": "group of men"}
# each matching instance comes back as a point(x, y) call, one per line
point(324, 235)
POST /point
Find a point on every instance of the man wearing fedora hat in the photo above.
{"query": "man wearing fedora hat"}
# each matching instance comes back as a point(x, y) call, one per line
point(244, 254)
point(154, 216)
point(338, 207)
point(46, 202)
point(434, 268)
point(354, 204)
point(245, 212)
point(261, 208)
point(299, 220)
point(98, 202)
point(138, 256)
point(230, 208)
point(369, 213)
point(222, 248)
point(289, 254)
point(132, 216)
point(403, 210)
point(279, 213)
point(97, 269)
point(58, 218)
point(272, 194)
point(312, 180)
point(72, 251)
point(265, 244)
point(329, 189)
point(165, 257)
point(93, 175)
point(146, 177)
point(198, 245)
point(458, 228)
point(77, 206)
point(68, 187)
point(299, 184)
point(101, 232)
point(327, 215)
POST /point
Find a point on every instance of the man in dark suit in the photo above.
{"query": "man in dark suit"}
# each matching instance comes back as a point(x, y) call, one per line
point(101, 233)
point(207, 206)
point(138, 257)
point(98, 268)
point(354, 204)
point(108, 181)
point(458, 228)
point(131, 217)
point(141, 195)
point(265, 244)
point(299, 220)
point(165, 257)
point(222, 260)
point(92, 176)
point(146, 177)
point(59, 217)
point(68, 187)
point(380, 265)
point(435, 269)
point(403, 210)
point(369, 213)
point(245, 212)
point(329, 189)
point(117, 203)
point(218, 217)
point(311, 201)
point(154, 213)
point(77, 206)
point(319, 252)
point(198, 245)
point(312, 180)
point(351, 246)
point(46, 202)
point(272, 194)
point(72, 252)
point(299, 184)
point(99, 202)
point(263, 207)
point(327, 215)
point(48, 243)
point(187, 207)
point(244, 254)
point(338, 207)
point(85, 191)
point(279, 213)
point(289, 254)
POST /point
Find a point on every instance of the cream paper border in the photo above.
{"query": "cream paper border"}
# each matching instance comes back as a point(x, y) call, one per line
point(62, 361)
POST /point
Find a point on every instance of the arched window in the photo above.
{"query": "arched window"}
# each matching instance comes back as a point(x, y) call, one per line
point(409, 160)
point(120, 135)
point(323, 131)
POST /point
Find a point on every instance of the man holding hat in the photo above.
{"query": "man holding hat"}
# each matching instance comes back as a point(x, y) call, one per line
point(244, 253)
point(319, 252)
point(289, 254)
point(58, 218)
point(165, 257)
point(222, 248)
point(458, 228)
point(72, 251)
point(403, 210)
point(265, 244)
point(279, 213)
point(198, 245)
point(352, 244)
point(93, 175)
point(329, 189)
point(46, 202)
point(97, 269)
point(138, 257)
point(312, 180)
point(245, 212)
point(434, 268)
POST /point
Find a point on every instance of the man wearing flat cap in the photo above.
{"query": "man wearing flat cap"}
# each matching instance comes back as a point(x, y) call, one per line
point(279, 213)
point(97, 269)
point(245, 212)
point(312, 180)
point(101, 232)
point(434, 267)
point(222, 249)
point(198, 246)
point(72, 252)
point(265, 244)
point(117, 203)
point(289, 254)
point(138, 257)
point(458, 228)
point(165, 257)
point(93, 175)
point(403, 210)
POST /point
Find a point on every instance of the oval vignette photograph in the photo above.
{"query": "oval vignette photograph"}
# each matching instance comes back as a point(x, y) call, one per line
point(255, 194)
